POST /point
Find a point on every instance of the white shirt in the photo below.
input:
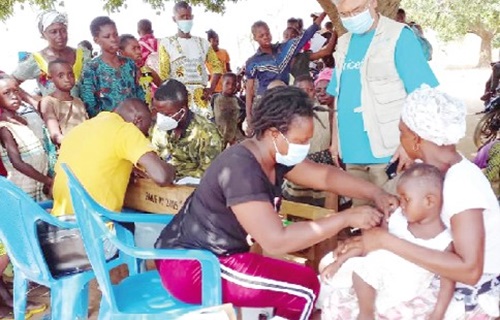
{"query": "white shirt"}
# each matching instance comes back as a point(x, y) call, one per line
point(466, 187)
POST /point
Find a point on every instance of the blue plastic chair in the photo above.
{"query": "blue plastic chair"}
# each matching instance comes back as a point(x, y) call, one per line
point(139, 296)
point(18, 232)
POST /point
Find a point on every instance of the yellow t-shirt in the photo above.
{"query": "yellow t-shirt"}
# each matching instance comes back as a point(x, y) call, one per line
point(101, 152)
point(224, 59)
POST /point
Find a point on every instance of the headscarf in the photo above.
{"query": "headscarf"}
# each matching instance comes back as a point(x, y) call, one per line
point(48, 18)
point(325, 74)
point(434, 116)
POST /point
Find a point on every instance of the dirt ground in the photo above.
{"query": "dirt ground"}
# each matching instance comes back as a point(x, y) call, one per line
point(466, 84)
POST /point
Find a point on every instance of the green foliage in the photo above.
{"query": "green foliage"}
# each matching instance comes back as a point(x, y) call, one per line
point(7, 6)
point(454, 18)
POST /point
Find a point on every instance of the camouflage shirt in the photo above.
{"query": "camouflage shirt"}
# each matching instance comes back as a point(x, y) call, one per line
point(194, 150)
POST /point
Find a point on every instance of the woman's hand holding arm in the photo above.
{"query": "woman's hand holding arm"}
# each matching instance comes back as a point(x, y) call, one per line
point(260, 220)
point(329, 178)
point(465, 265)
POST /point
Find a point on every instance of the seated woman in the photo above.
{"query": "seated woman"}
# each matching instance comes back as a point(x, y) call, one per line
point(238, 200)
point(431, 125)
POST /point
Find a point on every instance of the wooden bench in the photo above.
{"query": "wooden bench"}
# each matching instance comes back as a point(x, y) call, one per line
point(144, 195)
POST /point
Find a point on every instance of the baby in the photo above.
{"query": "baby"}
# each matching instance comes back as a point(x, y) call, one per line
point(385, 284)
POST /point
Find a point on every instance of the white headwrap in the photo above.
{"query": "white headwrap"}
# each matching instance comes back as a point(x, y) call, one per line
point(435, 116)
point(47, 18)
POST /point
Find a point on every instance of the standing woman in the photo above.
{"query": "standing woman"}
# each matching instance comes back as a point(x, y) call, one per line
point(53, 27)
point(109, 78)
point(223, 56)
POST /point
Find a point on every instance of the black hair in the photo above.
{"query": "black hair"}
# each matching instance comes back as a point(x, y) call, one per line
point(329, 61)
point(57, 61)
point(293, 30)
point(86, 44)
point(230, 75)
point(97, 23)
point(259, 24)
point(301, 23)
point(428, 176)
point(292, 20)
point(401, 11)
point(329, 25)
point(145, 26)
point(171, 90)
point(181, 5)
point(302, 78)
point(211, 34)
point(277, 109)
point(124, 39)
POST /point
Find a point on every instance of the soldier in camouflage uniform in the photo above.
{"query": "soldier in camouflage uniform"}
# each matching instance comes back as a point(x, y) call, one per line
point(184, 139)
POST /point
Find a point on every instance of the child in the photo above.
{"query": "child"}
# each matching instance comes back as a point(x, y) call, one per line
point(149, 79)
point(26, 163)
point(318, 151)
point(384, 283)
point(109, 78)
point(22, 150)
point(223, 56)
point(228, 110)
point(61, 111)
point(147, 40)
point(272, 62)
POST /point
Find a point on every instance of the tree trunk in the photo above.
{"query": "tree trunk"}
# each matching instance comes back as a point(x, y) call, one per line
point(331, 11)
point(485, 51)
point(388, 8)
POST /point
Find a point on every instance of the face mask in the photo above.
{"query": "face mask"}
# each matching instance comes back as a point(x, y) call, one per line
point(185, 25)
point(166, 123)
point(359, 23)
point(296, 153)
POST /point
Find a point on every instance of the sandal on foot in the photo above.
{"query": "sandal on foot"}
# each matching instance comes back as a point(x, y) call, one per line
point(34, 308)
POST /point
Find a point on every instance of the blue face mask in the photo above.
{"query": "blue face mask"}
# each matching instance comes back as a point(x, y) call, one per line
point(296, 153)
point(185, 25)
point(359, 23)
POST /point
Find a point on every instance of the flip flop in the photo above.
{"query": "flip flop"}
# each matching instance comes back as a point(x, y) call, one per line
point(34, 309)
point(30, 311)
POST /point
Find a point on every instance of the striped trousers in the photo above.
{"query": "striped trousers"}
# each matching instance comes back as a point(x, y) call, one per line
point(248, 280)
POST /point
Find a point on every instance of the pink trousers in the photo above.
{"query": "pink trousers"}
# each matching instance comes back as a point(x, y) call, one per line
point(248, 280)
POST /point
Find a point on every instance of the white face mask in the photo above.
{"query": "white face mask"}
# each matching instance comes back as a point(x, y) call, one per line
point(185, 25)
point(296, 153)
point(166, 123)
point(359, 23)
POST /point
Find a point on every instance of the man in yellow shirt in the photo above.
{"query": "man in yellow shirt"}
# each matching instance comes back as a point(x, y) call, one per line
point(103, 151)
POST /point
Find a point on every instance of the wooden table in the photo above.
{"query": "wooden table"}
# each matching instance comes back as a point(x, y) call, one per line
point(145, 195)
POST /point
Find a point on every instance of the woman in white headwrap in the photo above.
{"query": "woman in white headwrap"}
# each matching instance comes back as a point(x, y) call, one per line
point(431, 125)
point(53, 27)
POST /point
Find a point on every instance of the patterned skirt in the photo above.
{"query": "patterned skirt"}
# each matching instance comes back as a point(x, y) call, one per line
point(470, 303)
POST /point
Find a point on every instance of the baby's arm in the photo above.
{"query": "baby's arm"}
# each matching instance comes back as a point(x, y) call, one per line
point(342, 257)
point(446, 291)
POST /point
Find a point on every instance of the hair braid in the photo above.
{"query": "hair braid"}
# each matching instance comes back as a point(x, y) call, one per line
point(277, 109)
